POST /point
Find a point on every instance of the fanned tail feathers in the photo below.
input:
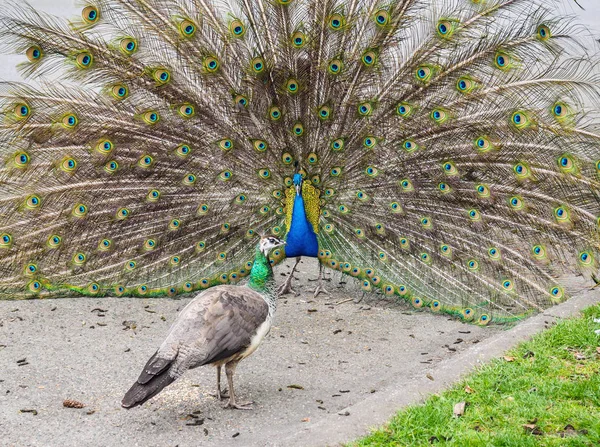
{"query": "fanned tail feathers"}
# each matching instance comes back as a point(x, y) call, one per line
point(451, 146)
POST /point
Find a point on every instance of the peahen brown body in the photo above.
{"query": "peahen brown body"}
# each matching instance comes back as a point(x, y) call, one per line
point(443, 151)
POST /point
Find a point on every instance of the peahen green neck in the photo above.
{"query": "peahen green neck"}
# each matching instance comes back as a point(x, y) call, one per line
point(262, 279)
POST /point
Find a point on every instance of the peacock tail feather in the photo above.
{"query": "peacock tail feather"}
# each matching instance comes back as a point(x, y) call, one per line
point(449, 149)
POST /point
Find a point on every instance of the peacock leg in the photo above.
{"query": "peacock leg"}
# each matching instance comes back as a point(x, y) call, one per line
point(230, 370)
point(286, 287)
point(320, 288)
point(220, 394)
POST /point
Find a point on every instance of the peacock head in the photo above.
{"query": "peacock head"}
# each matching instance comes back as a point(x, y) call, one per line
point(267, 243)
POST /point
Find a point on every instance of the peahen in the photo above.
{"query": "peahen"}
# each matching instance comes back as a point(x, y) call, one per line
point(444, 152)
point(220, 327)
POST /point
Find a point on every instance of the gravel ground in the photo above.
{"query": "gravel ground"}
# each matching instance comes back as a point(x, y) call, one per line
point(322, 356)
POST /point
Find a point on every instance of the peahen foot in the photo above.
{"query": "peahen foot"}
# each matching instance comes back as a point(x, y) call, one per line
point(220, 394)
point(241, 406)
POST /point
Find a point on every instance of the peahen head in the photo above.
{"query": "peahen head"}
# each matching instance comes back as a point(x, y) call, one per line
point(267, 243)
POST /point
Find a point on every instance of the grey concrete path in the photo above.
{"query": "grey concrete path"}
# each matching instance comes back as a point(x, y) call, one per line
point(323, 357)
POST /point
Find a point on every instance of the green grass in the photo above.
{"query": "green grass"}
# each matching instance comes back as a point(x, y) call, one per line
point(545, 386)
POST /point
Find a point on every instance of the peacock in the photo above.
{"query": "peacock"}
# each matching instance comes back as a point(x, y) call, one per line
point(445, 153)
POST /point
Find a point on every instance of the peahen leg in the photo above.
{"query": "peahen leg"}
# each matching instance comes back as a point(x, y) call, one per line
point(286, 287)
point(220, 394)
point(320, 288)
point(230, 370)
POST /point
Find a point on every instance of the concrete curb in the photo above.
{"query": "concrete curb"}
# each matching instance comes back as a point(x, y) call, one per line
point(378, 409)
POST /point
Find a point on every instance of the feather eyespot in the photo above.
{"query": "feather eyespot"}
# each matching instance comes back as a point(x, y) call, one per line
point(151, 117)
point(371, 171)
point(34, 53)
point(445, 28)
point(335, 67)
point(68, 164)
point(241, 100)
point(119, 92)
point(79, 210)
point(336, 22)
point(324, 113)
point(200, 246)
point(337, 144)
point(382, 18)
point(186, 110)
point(79, 258)
point(211, 64)
point(6, 240)
point(122, 213)
point(225, 175)
point(424, 73)
point(298, 39)
point(336, 171)
point(404, 110)
point(33, 202)
point(153, 195)
point(237, 28)
point(538, 252)
point(69, 121)
point(287, 158)
point(84, 60)
point(264, 173)
point(312, 158)
point(149, 244)
point(128, 46)
point(258, 65)
point(298, 129)
point(370, 142)
point(183, 150)
point(145, 161)
point(226, 144)
point(369, 58)
point(275, 113)
point(162, 76)
point(22, 159)
point(260, 145)
point(365, 109)
point(90, 15)
point(53, 241)
point(22, 111)
point(187, 28)
point(543, 32)
point(410, 146)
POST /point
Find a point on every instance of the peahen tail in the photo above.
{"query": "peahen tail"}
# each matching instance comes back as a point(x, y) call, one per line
point(449, 148)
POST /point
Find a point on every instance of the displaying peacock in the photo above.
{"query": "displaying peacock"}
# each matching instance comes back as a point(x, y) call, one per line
point(443, 152)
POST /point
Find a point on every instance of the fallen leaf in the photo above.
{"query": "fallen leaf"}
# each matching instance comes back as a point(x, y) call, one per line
point(70, 403)
point(468, 389)
point(305, 420)
point(509, 358)
point(429, 376)
point(295, 387)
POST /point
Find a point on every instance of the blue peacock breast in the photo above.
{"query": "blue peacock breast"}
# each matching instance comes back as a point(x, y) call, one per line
point(301, 239)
